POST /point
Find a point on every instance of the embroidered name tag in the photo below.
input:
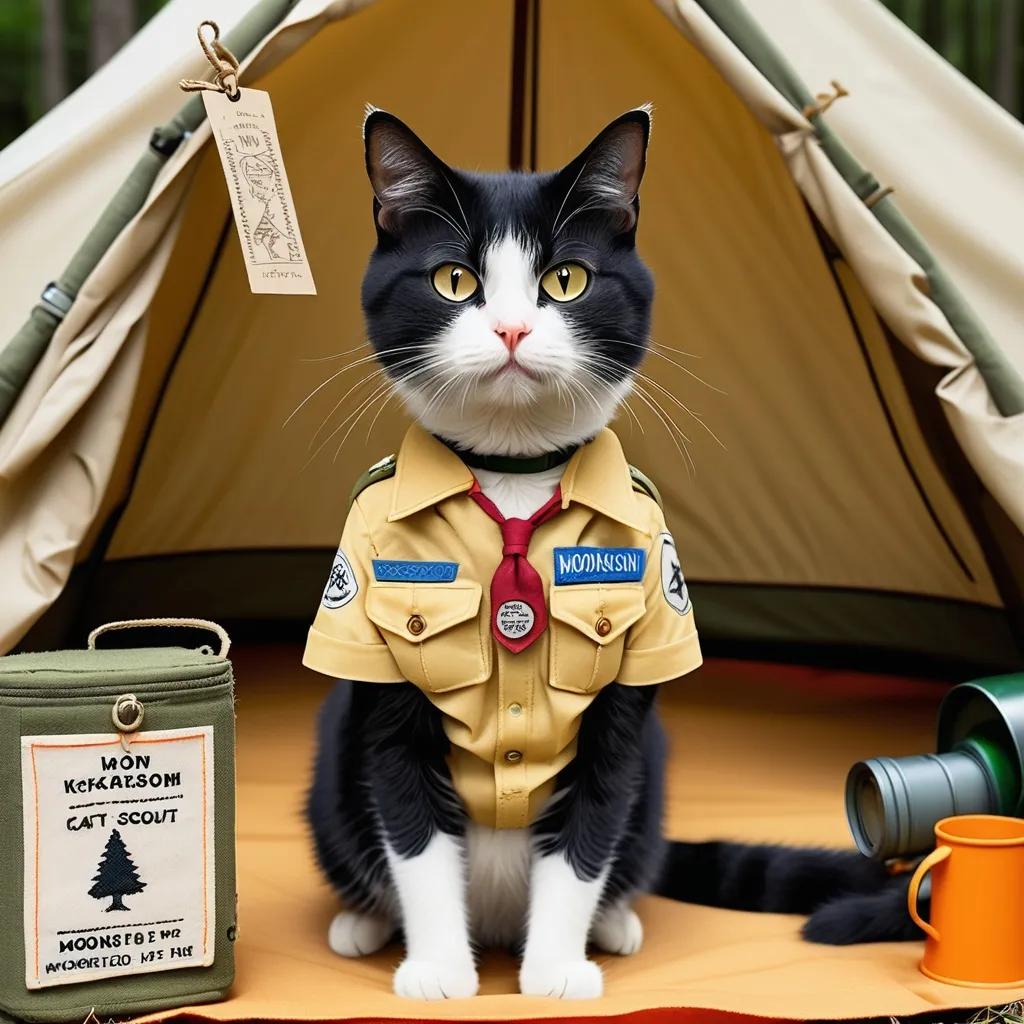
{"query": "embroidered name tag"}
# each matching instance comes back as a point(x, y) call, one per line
point(119, 854)
point(387, 570)
point(599, 565)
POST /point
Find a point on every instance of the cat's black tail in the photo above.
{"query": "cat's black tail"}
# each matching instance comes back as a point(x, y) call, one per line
point(849, 897)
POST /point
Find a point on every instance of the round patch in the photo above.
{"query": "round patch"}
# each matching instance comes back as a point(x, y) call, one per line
point(514, 619)
point(341, 584)
point(673, 585)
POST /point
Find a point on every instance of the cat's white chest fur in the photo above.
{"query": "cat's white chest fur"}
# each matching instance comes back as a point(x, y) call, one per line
point(519, 495)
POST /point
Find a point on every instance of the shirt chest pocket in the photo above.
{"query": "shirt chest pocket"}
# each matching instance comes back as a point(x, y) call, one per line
point(433, 631)
point(588, 623)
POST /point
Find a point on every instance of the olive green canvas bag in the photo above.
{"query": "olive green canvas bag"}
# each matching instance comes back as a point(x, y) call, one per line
point(117, 829)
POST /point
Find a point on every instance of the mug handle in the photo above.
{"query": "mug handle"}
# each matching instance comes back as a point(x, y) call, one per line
point(933, 858)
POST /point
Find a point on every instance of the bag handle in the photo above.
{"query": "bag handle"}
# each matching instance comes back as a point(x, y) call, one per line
point(225, 640)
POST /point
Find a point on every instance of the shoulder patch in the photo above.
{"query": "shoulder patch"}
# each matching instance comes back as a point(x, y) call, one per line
point(645, 485)
point(673, 586)
point(341, 584)
point(378, 471)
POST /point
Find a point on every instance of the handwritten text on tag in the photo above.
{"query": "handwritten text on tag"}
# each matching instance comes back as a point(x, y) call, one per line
point(261, 198)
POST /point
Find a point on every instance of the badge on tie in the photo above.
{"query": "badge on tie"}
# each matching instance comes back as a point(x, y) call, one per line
point(518, 612)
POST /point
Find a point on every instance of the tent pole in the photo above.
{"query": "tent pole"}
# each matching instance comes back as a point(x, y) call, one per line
point(22, 354)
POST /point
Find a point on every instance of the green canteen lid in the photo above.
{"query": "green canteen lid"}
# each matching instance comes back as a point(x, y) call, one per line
point(998, 702)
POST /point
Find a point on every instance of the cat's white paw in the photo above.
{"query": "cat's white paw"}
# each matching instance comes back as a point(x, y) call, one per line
point(353, 934)
point(618, 930)
point(424, 979)
point(576, 979)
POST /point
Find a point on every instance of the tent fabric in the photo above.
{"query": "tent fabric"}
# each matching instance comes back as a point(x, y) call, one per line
point(827, 480)
point(63, 170)
point(903, 98)
point(730, 775)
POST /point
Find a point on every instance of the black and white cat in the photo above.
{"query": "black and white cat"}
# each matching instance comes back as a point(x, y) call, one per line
point(510, 372)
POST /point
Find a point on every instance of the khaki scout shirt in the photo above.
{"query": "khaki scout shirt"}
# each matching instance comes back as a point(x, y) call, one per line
point(512, 719)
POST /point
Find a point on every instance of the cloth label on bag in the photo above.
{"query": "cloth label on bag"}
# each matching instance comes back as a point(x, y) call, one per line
point(119, 854)
point(275, 258)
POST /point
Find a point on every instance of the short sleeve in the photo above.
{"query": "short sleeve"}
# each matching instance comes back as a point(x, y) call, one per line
point(663, 644)
point(343, 642)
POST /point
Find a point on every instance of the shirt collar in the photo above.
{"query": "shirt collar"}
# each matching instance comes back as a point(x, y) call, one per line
point(597, 476)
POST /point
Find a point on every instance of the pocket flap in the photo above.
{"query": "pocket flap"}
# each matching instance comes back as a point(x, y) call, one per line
point(428, 608)
point(600, 611)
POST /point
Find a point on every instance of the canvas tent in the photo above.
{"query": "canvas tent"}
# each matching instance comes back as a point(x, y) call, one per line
point(868, 493)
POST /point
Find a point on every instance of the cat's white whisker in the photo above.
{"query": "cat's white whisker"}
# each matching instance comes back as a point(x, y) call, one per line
point(338, 355)
point(362, 361)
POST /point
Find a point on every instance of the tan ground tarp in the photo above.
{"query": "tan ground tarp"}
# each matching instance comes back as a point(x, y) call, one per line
point(759, 753)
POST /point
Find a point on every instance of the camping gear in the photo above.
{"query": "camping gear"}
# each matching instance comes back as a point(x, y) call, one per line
point(889, 408)
point(116, 794)
point(893, 804)
point(976, 934)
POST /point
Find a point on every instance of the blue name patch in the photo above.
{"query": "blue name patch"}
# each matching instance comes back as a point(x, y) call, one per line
point(599, 565)
point(388, 571)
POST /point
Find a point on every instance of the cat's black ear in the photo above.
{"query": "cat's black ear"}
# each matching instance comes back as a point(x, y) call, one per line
point(607, 174)
point(403, 172)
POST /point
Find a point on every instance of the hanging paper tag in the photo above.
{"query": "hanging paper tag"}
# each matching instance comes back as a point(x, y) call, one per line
point(260, 196)
point(119, 854)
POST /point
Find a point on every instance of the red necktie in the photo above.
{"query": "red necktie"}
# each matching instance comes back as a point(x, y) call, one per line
point(518, 610)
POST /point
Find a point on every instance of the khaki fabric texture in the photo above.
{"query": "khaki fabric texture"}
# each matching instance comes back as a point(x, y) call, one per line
point(423, 513)
point(811, 486)
point(759, 753)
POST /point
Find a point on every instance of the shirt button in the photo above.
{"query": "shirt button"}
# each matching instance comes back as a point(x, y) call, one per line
point(513, 756)
point(603, 627)
point(515, 710)
point(416, 624)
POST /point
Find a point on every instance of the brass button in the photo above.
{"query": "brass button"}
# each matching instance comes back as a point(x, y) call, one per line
point(515, 710)
point(416, 624)
point(513, 756)
point(603, 627)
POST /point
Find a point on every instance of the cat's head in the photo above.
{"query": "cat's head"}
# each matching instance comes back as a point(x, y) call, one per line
point(509, 310)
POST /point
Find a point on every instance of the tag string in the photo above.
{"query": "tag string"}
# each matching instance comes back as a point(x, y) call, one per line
point(824, 100)
point(223, 62)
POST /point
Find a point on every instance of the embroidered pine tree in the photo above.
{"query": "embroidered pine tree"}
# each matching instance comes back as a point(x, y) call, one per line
point(116, 875)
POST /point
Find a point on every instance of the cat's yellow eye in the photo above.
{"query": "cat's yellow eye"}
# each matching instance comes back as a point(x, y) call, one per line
point(566, 282)
point(455, 283)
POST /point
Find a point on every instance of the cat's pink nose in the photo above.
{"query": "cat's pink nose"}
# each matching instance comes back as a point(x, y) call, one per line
point(511, 334)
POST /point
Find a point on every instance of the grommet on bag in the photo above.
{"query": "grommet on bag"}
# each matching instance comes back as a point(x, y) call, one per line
point(127, 714)
point(513, 756)
point(416, 624)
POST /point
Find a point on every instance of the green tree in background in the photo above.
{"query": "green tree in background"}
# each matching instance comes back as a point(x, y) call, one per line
point(984, 39)
point(49, 47)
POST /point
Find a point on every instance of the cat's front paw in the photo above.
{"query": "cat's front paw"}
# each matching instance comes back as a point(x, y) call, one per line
point(425, 979)
point(575, 979)
point(618, 930)
point(353, 934)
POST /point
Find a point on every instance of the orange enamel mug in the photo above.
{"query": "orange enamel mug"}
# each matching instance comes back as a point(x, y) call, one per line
point(976, 934)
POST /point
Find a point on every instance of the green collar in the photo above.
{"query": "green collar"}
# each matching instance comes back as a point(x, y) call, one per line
point(511, 463)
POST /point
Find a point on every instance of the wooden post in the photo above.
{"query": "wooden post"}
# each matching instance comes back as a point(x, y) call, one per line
point(969, 22)
point(112, 24)
point(1008, 41)
point(55, 66)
